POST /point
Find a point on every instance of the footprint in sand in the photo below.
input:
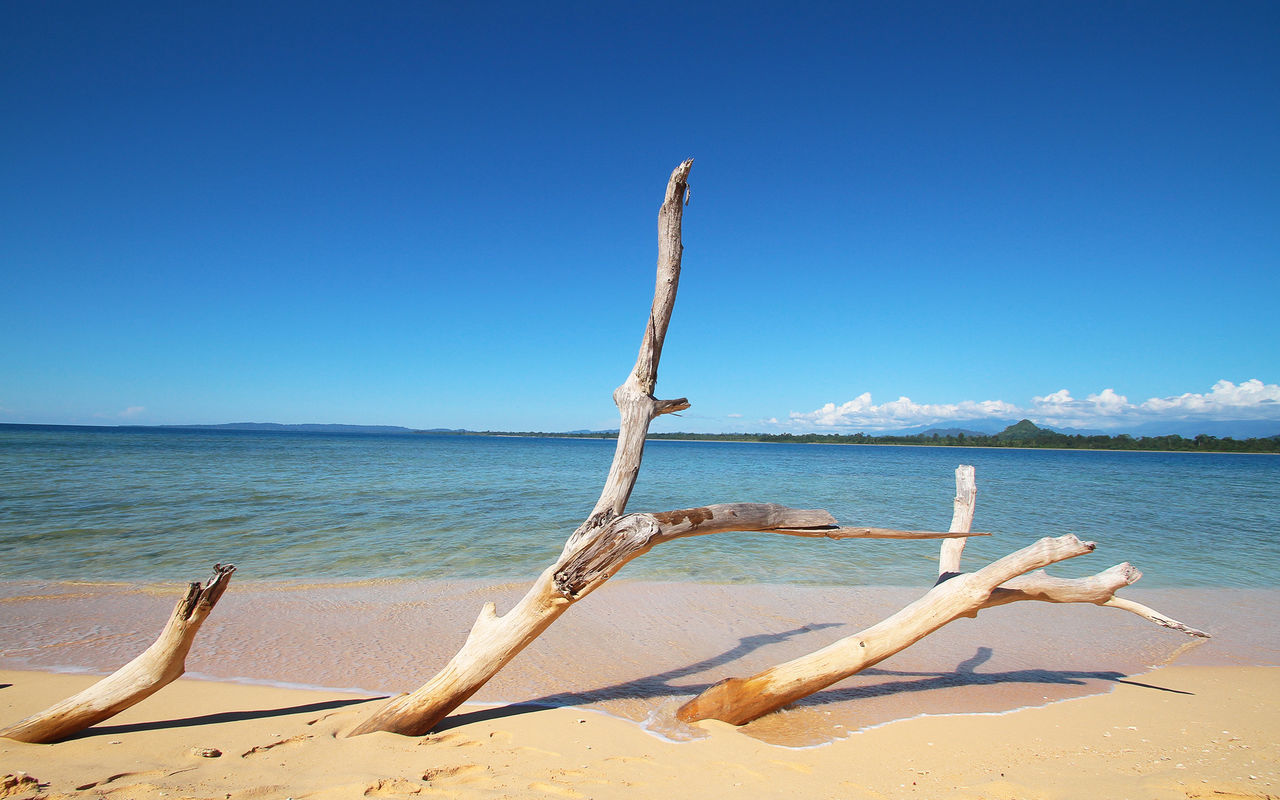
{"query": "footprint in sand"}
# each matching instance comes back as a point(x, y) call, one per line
point(463, 773)
point(262, 748)
point(116, 777)
point(13, 785)
point(450, 739)
point(392, 786)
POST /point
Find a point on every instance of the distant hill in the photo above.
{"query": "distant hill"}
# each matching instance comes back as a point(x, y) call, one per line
point(971, 427)
point(1237, 429)
point(952, 432)
point(304, 428)
point(1021, 431)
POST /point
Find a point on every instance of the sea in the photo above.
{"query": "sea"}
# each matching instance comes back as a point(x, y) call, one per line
point(161, 504)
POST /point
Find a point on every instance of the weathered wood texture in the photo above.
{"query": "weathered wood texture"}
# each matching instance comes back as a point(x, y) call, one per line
point(592, 551)
point(609, 538)
point(961, 520)
point(156, 667)
point(956, 595)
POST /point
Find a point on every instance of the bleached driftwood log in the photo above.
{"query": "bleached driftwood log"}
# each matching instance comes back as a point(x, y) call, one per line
point(608, 538)
point(956, 595)
point(156, 667)
point(961, 520)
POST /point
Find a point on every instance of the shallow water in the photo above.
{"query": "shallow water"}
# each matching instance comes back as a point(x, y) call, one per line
point(158, 504)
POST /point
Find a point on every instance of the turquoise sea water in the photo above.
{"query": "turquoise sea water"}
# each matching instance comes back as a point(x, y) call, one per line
point(130, 504)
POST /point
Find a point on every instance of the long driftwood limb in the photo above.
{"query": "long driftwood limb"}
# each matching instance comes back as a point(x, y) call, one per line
point(156, 667)
point(608, 538)
point(739, 700)
point(495, 640)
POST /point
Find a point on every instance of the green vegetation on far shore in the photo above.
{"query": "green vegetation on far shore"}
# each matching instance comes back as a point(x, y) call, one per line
point(1021, 434)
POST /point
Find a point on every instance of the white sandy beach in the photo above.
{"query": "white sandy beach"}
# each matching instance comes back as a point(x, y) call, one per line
point(1179, 732)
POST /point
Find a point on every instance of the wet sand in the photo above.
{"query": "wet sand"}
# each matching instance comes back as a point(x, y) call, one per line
point(636, 650)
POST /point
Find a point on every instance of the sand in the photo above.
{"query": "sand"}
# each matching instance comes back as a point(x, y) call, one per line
point(1027, 701)
point(1180, 732)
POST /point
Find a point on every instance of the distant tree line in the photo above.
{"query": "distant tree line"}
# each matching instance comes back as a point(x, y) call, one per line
point(1021, 434)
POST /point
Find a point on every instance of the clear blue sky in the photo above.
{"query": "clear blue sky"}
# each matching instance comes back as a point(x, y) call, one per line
point(432, 214)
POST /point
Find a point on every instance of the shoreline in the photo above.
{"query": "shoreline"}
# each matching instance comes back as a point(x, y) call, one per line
point(579, 437)
point(651, 440)
point(667, 642)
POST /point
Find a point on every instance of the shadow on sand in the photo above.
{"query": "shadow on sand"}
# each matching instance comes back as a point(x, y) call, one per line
point(221, 716)
point(659, 685)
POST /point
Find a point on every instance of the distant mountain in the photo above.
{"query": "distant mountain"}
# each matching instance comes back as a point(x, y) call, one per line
point(304, 428)
point(584, 432)
point(1237, 429)
point(972, 427)
point(951, 432)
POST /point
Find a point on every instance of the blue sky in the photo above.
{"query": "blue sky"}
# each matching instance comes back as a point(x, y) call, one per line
point(443, 215)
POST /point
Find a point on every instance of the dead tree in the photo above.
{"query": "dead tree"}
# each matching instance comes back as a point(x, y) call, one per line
point(608, 538)
point(156, 667)
point(956, 595)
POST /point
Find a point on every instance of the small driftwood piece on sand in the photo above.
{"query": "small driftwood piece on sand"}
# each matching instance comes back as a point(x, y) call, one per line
point(156, 667)
point(608, 538)
point(956, 595)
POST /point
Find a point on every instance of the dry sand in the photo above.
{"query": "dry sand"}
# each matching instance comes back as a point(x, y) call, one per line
point(1204, 727)
point(1180, 732)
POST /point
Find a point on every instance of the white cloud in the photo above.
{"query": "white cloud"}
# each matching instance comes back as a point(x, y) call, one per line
point(1061, 409)
point(1224, 399)
point(861, 412)
point(734, 416)
point(1250, 400)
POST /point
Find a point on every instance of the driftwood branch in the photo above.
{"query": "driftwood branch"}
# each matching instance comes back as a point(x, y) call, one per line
point(956, 595)
point(636, 404)
point(601, 544)
point(609, 538)
point(961, 520)
point(156, 667)
point(1098, 589)
point(494, 640)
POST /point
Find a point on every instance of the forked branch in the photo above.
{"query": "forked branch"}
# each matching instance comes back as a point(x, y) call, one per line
point(956, 595)
point(608, 538)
